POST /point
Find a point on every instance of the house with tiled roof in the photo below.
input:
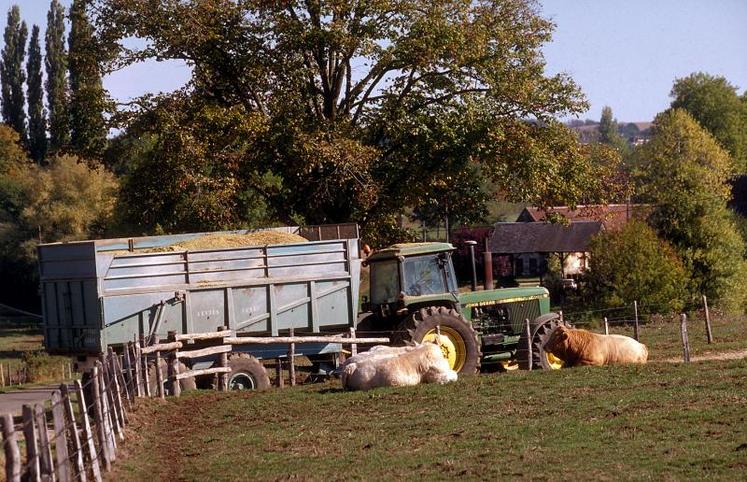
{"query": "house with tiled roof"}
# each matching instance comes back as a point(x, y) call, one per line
point(523, 248)
point(612, 216)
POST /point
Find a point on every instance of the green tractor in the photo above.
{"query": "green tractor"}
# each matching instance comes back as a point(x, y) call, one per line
point(414, 295)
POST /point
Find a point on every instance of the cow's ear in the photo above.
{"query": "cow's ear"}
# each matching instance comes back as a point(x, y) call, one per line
point(563, 335)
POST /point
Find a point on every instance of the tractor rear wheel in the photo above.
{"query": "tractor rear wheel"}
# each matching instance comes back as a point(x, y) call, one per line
point(541, 328)
point(458, 339)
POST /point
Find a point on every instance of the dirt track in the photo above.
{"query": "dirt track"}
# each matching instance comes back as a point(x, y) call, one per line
point(12, 402)
point(728, 355)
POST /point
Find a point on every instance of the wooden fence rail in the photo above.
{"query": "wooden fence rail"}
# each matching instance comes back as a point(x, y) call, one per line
point(77, 436)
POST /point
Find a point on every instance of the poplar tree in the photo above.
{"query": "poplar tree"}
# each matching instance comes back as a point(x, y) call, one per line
point(12, 74)
point(37, 113)
point(87, 128)
point(684, 173)
point(609, 133)
point(55, 63)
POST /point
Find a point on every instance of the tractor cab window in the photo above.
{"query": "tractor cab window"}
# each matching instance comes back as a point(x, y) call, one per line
point(384, 282)
point(425, 275)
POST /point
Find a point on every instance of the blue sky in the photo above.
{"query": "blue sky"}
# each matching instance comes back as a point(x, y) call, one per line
point(624, 54)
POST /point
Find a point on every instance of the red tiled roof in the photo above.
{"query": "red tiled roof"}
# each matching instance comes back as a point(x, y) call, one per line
point(612, 216)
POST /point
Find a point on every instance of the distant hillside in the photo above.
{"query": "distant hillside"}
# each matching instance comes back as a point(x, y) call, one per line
point(634, 132)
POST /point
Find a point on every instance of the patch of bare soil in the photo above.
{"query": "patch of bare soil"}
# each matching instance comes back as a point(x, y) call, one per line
point(161, 456)
point(727, 355)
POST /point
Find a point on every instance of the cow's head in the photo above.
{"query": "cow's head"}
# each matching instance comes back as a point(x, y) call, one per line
point(558, 341)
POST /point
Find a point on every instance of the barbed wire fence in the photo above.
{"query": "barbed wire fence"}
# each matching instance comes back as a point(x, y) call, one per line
point(76, 435)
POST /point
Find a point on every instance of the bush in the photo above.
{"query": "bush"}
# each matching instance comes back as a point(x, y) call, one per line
point(42, 367)
point(634, 264)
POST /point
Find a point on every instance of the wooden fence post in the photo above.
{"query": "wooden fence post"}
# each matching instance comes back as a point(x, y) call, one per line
point(528, 332)
point(32, 445)
point(685, 339)
point(12, 453)
point(130, 383)
point(87, 434)
point(46, 466)
point(279, 372)
point(636, 333)
point(159, 373)
point(606, 326)
point(64, 472)
point(709, 334)
point(108, 415)
point(176, 388)
point(73, 431)
point(136, 366)
point(108, 387)
point(121, 384)
point(2, 375)
point(98, 411)
point(223, 362)
point(146, 375)
point(116, 395)
point(292, 362)
point(353, 346)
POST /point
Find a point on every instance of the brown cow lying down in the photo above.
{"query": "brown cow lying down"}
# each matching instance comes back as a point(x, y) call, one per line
point(582, 347)
point(410, 366)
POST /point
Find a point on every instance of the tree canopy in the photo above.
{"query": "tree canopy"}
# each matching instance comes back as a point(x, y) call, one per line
point(55, 62)
point(12, 73)
point(87, 96)
point(37, 113)
point(717, 107)
point(609, 132)
point(364, 106)
point(634, 264)
point(683, 172)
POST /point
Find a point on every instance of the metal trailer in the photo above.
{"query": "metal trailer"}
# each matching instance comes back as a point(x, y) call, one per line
point(102, 293)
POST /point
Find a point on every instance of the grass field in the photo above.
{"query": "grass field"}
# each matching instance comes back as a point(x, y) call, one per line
point(664, 420)
point(21, 349)
point(18, 335)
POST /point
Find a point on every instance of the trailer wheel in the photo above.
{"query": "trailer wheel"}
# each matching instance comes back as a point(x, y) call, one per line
point(541, 328)
point(185, 383)
point(247, 373)
point(458, 339)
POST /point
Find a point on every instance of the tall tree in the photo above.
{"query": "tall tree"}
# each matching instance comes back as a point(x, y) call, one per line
point(715, 104)
point(55, 62)
point(37, 113)
point(12, 74)
point(87, 96)
point(369, 103)
point(684, 173)
point(609, 132)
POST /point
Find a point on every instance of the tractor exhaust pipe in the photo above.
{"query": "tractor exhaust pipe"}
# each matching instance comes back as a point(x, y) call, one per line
point(487, 258)
point(472, 245)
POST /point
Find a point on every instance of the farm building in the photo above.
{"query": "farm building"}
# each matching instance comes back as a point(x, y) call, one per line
point(521, 249)
point(612, 216)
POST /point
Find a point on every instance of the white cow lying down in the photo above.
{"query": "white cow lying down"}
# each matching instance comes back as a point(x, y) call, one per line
point(397, 366)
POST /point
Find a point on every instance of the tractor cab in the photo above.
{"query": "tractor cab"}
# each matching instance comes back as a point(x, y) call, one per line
point(410, 274)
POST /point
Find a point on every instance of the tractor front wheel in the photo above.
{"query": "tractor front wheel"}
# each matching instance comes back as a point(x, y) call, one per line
point(457, 339)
